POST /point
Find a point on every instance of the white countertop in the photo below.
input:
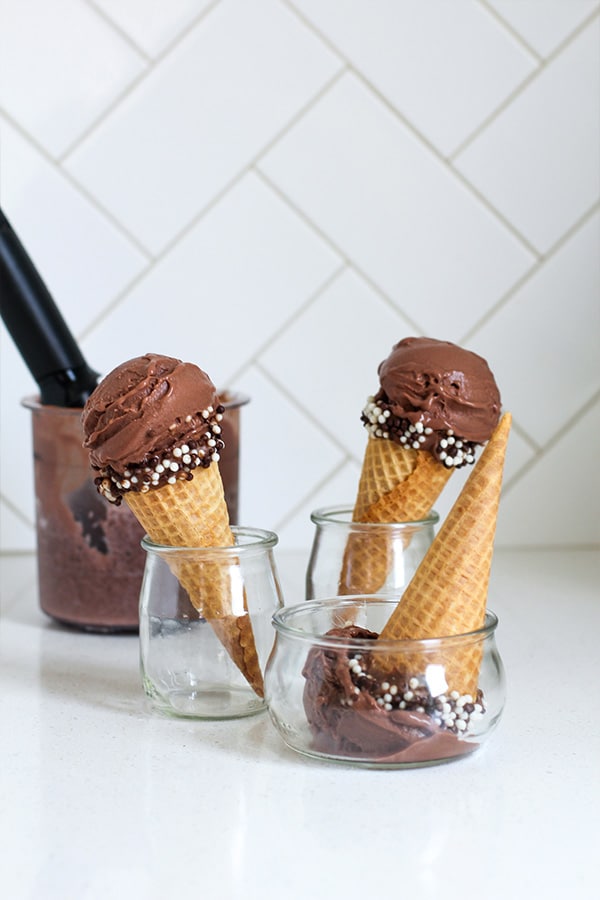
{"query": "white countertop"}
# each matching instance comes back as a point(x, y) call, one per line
point(101, 799)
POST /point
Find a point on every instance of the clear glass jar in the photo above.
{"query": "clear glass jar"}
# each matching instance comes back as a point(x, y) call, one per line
point(364, 557)
point(186, 667)
point(380, 704)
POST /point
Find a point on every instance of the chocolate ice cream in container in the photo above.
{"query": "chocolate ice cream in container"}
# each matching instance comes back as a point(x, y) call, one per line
point(416, 679)
point(153, 430)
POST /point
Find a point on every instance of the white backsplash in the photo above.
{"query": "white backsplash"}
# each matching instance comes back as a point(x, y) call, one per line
point(279, 190)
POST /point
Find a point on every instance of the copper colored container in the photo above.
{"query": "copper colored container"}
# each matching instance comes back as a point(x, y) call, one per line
point(90, 561)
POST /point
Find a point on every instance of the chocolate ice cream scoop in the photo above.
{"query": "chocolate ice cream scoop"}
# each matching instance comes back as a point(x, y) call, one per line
point(437, 396)
point(354, 713)
point(151, 421)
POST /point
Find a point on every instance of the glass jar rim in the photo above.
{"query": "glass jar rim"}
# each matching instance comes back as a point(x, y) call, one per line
point(33, 402)
point(257, 540)
point(231, 399)
point(341, 514)
point(281, 623)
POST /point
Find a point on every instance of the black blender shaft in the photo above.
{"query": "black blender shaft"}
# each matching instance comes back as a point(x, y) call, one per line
point(38, 328)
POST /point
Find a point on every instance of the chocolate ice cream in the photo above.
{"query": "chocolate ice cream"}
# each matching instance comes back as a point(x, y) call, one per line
point(436, 396)
point(84, 546)
point(357, 713)
point(143, 413)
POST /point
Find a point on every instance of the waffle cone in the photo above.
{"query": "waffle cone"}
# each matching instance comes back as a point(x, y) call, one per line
point(397, 484)
point(448, 593)
point(194, 514)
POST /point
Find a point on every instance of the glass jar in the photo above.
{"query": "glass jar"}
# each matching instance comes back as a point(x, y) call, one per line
point(191, 637)
point(364, 557)
point(90, 562)
point(380, 703)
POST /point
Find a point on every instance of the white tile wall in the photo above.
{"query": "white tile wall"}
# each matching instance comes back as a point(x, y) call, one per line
point(281, 189)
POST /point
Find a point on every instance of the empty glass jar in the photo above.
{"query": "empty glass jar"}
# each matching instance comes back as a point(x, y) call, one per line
point(205, 625)
point(364, 558)
point(349, 697)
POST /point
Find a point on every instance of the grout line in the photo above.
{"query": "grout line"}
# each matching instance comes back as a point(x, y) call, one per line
point(213, 202)
point(572, 35)
point(548, 548)
point(117, 101)
point(297, 404)
point(337, 249)
point(506, 26)
point(151, 67)
point(112, 305)
point(308, 23)
point(82, 191)
point(319, 485)
point(242, 172)
point(496, 113)
point(285, 198)
point(522, 87)
point(114, 26)
point(485, 202)
point(531, 273)
point(446, 162)
point(552, 441)
point(526, 438)
point(8, 554)
point(286, 325)
point(16, 511)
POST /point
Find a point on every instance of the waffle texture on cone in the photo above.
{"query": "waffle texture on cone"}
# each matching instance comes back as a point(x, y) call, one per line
point(435, 404)
point(193, 514)
point(152, 428)
point(397, 484)
point(448, 593)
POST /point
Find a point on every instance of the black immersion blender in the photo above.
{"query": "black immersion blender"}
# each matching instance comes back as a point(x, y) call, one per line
point(38, 329)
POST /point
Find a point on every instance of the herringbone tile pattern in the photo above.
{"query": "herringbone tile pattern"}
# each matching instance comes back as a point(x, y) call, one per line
point(281, 189)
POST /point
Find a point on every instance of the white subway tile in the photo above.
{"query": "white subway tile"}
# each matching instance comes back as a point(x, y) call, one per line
point(544, 25)
point(65, 235)
point(284, 454)
point(153, 24)
point(339, 490)
point(399, 213)
point(518, 454)
point(16, 445)
point(328, 357)
point(543, 344)
point(16, 534)
point(229, 285)
point(201, 115)
point(61, 66)
point(444, 66)
point(552, 504)
point(538, 161)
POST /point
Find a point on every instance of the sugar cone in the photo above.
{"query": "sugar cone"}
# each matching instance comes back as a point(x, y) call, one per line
point(448, 593)
point(194, 514)
point(397, 484)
